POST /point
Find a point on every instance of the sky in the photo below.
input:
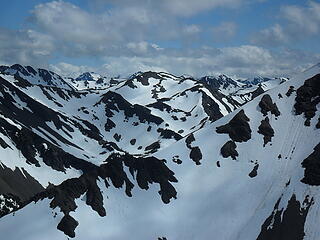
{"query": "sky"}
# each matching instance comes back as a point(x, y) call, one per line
point(239, 38)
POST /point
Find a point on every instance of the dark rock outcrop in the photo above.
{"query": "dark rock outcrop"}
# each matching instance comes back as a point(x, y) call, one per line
point(109, 125)
point(19, 183)
point(153, 147)
point(196, 155)
point(254, 171)
point(308, 96)
point(146, 171)
point(67, 225)
point(114, 102)
point(229, 150)
point(238, 128)
point(266, 130)
point(288, 223)
point(311, 167)
point(267, 105)
point(290, 91)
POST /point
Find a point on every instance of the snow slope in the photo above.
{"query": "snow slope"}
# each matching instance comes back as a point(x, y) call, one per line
point(194, 186)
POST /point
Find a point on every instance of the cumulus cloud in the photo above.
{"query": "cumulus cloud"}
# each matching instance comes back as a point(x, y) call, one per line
point(70, 70)
point(25, 46)
point(126, 36)
point(298, 23)
point(242, 61)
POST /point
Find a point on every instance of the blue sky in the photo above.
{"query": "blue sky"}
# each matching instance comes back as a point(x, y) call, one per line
point(240, 38)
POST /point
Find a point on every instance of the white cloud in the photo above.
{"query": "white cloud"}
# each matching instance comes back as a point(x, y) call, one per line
point(192, 29)
point(299, 23)
point(181, 8)
point(70, 70)
point(124, 38)
point(242, 61)
point(272, 36)
point(192, 7)
point(25, 46)
point(224, 31)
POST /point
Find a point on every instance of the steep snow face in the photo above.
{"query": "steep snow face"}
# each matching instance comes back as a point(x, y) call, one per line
point(160, 150)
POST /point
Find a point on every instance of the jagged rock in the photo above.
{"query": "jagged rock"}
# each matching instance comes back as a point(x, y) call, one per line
point(153, 147)
point(3, 144)
point(266, 130)
point(254, 171)
point(67, 225)
point(229, 150)
point(308, 96)
point(290, 91)
point(196, 155)
point(288, 223)
point(311, 167)
point(109, 125)
point(117, 137)
point(211, 108)
point(169, 134)
point(267, 105)
point(18, 183)
point(189, 140)
point(238, 128)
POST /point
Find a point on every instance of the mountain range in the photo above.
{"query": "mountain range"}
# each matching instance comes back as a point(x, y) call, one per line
point(158, 156)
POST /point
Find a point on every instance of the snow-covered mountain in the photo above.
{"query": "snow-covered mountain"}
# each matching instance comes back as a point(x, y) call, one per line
point(241, 90)
point(28, 75)
point(172, 153)
point(91, 80)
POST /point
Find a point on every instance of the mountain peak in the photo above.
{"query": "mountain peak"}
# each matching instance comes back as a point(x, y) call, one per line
point(89, 76)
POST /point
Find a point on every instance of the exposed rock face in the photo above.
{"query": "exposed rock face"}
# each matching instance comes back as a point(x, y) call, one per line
point(229, 150)
point(133, 141)
point(238, 128)
point(153, 147)
point(144, 77)
point(211, 108)
point(189, 140)
point(257, 92)
point(67, 225)
point(290, 91)
point(115, 102)
point(146, 171)
point(254, 171)
point(288, 223)
point(109, 125)
point(8, 203)
point(308, 96)
point(266, 130)
point(312, 168)
point(18, 183)
point(196, 155)
point(267, 105)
